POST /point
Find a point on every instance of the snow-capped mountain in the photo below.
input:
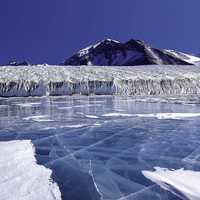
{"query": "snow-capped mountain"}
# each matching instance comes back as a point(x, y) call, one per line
point(134, 52)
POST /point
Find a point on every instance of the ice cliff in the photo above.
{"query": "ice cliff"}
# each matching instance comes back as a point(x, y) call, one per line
point(42, 80)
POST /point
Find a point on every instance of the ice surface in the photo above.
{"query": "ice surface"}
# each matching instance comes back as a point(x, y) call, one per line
point(92, 116)
point(21, 177)
point(28, 104)
point(155, 115)
point(151, 80)
point(170, 115)
point(101, 157)
point(118, 115)
point(184, 183)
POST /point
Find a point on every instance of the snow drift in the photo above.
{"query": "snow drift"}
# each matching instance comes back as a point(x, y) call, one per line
point(43, 80)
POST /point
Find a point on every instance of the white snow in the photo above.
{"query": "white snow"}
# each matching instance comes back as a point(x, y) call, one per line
point(86, 50)
point(21, 178)
point(187, 57)
point(186, 182)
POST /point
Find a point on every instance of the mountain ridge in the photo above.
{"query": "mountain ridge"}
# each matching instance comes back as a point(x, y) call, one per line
point(110, 52)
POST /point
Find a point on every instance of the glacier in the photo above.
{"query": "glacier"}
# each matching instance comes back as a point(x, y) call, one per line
point(150, 80)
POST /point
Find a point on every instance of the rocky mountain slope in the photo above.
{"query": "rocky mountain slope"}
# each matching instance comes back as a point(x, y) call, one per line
point(134, 52)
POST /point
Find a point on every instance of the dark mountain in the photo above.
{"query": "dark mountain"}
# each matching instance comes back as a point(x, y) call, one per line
point(134, 52)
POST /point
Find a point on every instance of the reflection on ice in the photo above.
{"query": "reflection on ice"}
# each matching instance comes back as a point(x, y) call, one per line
point(28, 104)
point(39, 118)
point(170, 115)
point(74, 126)
point(155, 115)
point(117, 115)
point(91, 116)
point(35, 117)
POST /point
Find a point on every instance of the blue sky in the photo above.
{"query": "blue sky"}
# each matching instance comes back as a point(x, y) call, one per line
point(50, 31)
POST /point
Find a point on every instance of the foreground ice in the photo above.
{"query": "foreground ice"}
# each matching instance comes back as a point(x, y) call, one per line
point(151, 80)
point(184, 183)
point(97, 148)
point(21, 177)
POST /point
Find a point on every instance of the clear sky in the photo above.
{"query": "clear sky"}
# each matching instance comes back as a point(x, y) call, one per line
point(52, 30)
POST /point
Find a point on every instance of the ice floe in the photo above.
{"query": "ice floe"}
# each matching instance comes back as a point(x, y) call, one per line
point(183, 183)
point(21, 177)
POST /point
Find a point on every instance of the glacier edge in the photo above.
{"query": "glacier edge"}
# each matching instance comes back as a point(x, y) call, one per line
point(42, 80)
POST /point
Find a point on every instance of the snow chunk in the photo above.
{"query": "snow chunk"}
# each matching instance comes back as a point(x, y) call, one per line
point(179, 182)
point(21, 177)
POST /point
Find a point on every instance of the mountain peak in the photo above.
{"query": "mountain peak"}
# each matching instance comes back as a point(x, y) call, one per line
point(109, 52)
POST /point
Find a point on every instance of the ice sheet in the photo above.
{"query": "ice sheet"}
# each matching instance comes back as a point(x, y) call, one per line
point(102, 158)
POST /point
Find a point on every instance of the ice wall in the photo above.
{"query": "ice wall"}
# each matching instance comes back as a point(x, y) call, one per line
point(138, 80)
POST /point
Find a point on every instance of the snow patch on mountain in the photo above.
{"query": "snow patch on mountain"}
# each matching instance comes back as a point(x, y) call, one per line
point(187, 57)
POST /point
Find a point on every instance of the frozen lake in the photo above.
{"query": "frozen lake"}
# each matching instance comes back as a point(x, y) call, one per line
point(99, 147)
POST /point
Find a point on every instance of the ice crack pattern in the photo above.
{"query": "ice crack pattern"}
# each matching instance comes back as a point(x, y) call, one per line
point(106, 147)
